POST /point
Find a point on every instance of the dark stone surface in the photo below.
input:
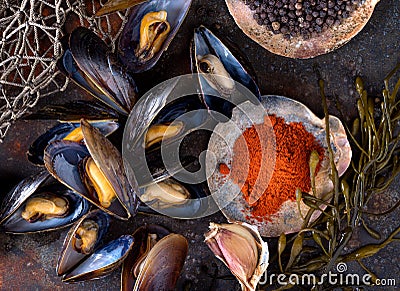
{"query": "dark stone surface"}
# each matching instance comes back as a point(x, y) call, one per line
point(27, 262)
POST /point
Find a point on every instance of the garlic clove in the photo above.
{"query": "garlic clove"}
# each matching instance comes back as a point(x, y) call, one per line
point(240, 247)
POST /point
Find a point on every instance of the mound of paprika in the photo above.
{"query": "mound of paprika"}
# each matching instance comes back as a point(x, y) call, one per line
point(293, 146)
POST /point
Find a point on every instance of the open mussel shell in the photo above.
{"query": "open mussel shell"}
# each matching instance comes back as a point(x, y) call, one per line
point(130, 37)
point(163, 264)
point(288, 218)
point(60, 131)
point(109, 160)
point(71, 255)
point(141, 248)
point(103, 261)
point(187, 114)
point(22, 191)
point(160, 106)
point(90, 63)
point(181, 200)
point(75, 207)
point(218, 70)
point(63, 159)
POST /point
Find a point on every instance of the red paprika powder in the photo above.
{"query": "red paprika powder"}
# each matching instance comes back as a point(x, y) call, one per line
point(293, 146)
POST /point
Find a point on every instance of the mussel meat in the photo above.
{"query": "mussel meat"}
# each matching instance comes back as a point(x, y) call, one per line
point(158, 132)
point(95, 179)
point(154, 29)
point(95, 171)
point(84, 237)
point(46, 206)
point(37, 204)
point(165, 194)
point(215, 74)
point(150, 28)
point(20, 193)
point(220, 74)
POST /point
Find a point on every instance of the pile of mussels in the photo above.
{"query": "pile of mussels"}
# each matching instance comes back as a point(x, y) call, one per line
point(84, 184)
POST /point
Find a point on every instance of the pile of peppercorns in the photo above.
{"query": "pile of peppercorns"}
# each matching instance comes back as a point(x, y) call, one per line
point(306, 18)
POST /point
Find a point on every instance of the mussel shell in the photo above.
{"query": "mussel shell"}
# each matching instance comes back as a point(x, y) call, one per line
point(69, 257)
point(161, 105)
point(204, 43)
point(193, 207)
point(62, 159)
point(163, 264)
point(103, 261)
point(98, 64)
point(176, 9)
point(36, 150)
point(117, 5)
point(73, 111)
point(143, 113)
point(70, 68)
point(155, 165)
point(140, 236)
point(77, 207)
point(22, 191)
point(187, 109)
point(109, 160)
point(191, 112)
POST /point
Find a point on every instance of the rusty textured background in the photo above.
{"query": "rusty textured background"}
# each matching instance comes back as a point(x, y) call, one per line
point(27, 262)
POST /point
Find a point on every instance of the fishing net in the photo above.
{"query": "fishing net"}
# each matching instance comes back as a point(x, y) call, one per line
point(30, 35)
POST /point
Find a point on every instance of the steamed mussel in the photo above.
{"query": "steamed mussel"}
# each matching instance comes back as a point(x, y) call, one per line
point(156, 261)
point(145, 238)
point(219, 74)
point(154, 29)
point(166, 193)
point(163, 264)
point(45, 207)
point(102, 261)
point(67, 131)
point(158, 127)
point(150, 28)
point(39, 203)
point(94, 170)
point(84, 237)
point(88, 61)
